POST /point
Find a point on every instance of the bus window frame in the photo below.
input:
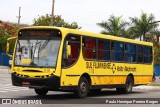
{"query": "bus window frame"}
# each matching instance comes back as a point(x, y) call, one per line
point(109, 50)
point(35, 38)
point(96, 43)
point(150, 54)
point(123, 61)
point(124, 53)
point(55, 38)
point(66, 67)
point(127, 43)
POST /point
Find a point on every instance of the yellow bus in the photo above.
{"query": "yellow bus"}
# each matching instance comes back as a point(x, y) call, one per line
point(61, 59)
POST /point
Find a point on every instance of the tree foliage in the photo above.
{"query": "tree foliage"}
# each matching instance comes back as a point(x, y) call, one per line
point(6, 30)
point(114, 26)
point(156, 55)
point(156, 48)
point(140, 26)
point(57, 21)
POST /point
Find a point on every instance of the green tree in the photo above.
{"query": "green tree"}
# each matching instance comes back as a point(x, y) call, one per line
point(157, 35)
point(3, 42)
point(114, 26)
point(6, 30)
point(156, 47)
point(57, 21)
point(156, 55)
point(140, 26)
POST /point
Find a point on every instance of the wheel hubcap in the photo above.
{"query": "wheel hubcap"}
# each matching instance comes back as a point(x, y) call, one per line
point(129, 86)
point(83, 87)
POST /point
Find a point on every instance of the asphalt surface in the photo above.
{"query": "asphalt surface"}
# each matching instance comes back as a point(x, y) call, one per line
point(67, 99)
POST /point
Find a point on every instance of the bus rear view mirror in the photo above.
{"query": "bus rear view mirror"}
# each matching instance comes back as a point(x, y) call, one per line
point(68, 50)
point(10, 46)
point(7, 48)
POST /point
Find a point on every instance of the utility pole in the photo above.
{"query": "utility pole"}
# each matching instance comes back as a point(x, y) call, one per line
point(19, 16)
point(52, 7)
point(52, 13)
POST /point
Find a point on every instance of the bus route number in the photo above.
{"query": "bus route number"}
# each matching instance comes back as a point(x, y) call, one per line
point(91, 70)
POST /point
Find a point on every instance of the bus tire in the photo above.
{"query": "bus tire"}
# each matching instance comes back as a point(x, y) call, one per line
point(128, 86)
point(83, 88)
point(41, 92)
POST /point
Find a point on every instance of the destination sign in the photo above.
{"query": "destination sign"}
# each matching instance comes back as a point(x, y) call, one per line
point(39, 33)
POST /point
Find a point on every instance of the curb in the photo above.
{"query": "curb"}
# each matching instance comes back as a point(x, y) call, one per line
point(147, 87)
point(5, 70)
point(4, 67)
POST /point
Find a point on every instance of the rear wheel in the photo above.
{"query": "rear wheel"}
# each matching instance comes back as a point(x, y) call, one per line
point(83, 88)
point(41, 92)
point(128, 86)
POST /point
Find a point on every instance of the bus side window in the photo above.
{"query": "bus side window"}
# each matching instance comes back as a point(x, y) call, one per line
point(117, 53)
point(89, 48)
point(103, 50)
point(139, 54)
point(112, 51)
point(130, 52)
point(74, 42)
point(147, 54)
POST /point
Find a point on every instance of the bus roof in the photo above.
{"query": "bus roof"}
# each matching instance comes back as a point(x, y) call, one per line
point(85, 33)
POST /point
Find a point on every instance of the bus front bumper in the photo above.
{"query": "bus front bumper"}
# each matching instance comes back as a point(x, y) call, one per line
point(50, 83)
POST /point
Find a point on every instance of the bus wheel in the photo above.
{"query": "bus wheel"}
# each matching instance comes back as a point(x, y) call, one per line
point(83, 88)
point(128, 86)
point(41, 92)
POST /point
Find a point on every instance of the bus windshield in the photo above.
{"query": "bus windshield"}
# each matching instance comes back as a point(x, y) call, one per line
point(37, 52)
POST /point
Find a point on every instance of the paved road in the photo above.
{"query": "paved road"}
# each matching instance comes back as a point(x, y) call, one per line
point(4, 88)
point(66, 99)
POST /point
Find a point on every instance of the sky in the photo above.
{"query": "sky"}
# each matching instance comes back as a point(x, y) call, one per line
point(85, 12)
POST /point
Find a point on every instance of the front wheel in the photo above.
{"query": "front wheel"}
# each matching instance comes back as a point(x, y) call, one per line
point(83, 88)
point(41, 92)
